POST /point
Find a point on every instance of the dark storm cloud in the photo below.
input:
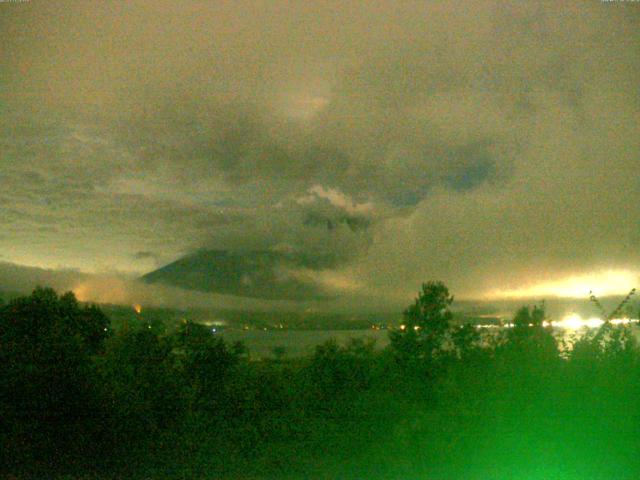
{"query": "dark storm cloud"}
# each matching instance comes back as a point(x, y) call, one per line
point(489, 144)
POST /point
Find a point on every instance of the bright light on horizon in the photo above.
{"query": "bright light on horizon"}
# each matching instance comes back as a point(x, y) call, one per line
point(576, 322)
point(604, 283)
point(572, 321)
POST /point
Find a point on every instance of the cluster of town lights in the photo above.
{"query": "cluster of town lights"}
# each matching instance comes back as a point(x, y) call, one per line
point(576, 322)
point(572, 322)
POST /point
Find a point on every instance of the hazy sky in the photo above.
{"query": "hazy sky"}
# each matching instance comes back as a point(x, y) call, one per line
point(490, 144)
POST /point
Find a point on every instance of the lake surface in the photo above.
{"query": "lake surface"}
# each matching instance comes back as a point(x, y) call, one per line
point(298, 343)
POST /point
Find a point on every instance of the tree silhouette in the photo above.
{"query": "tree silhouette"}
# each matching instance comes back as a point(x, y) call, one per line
point(425, 324)
point(615, 312)
point(336, 370)
point(46, 378)
point(137, 374)
point(205, 361)
point(530, 340)
point(279, 352)
point(526, 317)
point(465, 339)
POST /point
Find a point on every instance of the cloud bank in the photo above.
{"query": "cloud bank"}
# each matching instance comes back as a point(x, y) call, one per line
point(494, 145)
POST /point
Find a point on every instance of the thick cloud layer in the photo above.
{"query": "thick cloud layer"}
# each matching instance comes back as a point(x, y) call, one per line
point(494, 145)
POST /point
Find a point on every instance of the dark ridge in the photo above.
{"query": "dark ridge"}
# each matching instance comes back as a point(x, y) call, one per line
point(254, 274)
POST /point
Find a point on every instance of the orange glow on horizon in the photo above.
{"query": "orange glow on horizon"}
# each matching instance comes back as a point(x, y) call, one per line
point(80, 291)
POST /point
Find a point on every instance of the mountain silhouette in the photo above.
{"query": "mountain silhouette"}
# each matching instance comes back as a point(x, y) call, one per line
point(258, 274)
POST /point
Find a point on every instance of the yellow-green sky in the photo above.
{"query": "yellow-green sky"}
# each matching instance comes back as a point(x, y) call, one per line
point(492, 144)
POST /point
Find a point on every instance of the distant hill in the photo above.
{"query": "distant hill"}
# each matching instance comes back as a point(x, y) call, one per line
point(258, 274)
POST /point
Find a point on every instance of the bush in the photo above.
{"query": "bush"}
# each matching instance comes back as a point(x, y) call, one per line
point(47, 387)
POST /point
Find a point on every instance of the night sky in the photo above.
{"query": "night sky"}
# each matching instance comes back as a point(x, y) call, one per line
point(493, 145)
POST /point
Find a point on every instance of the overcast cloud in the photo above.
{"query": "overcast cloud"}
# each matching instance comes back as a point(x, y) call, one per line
point(490, 144)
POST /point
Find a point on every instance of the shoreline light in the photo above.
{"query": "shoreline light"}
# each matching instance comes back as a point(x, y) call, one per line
point(571, 322)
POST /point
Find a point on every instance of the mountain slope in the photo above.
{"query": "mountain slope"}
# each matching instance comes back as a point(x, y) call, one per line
point(259, 274)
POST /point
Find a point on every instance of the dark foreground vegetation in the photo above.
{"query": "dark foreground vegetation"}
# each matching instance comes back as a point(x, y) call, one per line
point(78, 400)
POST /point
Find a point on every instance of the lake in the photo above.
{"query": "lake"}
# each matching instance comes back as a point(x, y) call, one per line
point(298, 343)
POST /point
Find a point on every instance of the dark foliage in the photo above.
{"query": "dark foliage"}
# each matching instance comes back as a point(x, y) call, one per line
point(425, 325)
point(48, 400)
point(443, 401)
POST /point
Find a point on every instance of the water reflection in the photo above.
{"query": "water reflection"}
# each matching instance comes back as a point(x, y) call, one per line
point(261, 343)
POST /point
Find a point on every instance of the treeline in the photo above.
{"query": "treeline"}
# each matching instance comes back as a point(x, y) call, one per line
point(79, 400)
